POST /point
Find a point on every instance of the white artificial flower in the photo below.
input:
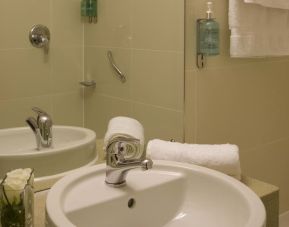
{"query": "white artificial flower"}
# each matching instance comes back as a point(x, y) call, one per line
point(19, 173)
point(15, 183)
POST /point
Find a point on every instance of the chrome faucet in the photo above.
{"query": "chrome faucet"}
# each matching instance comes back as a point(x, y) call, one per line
point(42, 128)
point(120, 158)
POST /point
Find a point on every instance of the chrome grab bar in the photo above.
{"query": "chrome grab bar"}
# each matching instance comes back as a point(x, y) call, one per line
point(121, 76)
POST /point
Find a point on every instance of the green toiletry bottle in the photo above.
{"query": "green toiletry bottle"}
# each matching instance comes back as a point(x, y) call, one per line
point(208, 32)
point(89, 9)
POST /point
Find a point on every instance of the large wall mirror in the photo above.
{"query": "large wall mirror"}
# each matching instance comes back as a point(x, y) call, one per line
point(146, 39)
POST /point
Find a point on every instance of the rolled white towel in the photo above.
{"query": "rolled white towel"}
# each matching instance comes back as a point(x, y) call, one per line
point(220, 157)
point(124, 127)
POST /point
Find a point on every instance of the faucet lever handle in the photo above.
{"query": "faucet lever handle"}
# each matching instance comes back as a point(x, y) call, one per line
point(39, 111)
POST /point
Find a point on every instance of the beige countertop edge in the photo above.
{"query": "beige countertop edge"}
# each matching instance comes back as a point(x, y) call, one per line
point(261, 188)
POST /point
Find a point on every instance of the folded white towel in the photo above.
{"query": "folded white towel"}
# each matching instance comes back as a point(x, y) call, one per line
point(257, 31)
point(223, 157)
point(281, 4)
point(124, 127)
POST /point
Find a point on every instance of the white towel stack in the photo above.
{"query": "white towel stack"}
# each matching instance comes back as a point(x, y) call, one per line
point(124, 127)
point(258, 31)
point(223, 157)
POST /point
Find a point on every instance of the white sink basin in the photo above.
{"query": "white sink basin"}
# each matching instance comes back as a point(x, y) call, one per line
point(169, 195)
point(73, 147)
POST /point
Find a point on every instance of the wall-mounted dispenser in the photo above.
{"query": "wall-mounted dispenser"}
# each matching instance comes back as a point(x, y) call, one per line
point(89, 10)
point(207, 37)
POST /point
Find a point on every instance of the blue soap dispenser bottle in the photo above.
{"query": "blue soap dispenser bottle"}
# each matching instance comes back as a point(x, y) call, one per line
point(208, 34)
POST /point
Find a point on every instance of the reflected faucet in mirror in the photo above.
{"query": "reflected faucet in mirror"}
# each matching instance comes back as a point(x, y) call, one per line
point(41, 127)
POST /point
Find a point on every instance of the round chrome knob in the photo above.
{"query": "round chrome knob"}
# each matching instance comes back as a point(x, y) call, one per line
point(39, 36)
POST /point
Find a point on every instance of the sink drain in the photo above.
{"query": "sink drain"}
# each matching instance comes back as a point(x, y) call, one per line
point(131, 203)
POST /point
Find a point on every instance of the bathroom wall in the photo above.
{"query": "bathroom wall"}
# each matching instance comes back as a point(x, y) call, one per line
point(240, 101)
point(28, 77)
point(147, 42)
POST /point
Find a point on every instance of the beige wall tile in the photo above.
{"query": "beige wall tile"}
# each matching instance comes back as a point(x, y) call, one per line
point(190, 37)
point(157, 27)
point(67, 27)
point(190, 109)
point(99, 109)
point(68, 109)
point(159, 122)
point(14, 112)
point(243, 105)
point(66, 69)
point(24, 73)
point(158, 78)
point(98, 68)
point(113, 27)
point(16, 19)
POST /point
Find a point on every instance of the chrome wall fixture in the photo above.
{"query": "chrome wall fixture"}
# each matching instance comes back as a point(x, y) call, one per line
point(120, 75)
point(39, 36)
point(207, 37)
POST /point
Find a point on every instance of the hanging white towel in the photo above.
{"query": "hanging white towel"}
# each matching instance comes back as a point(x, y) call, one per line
point(280, 4)
point(258, 31)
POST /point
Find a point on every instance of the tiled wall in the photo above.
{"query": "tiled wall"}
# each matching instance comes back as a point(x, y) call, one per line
point(241, 101)
point(28, 77)
point(147, 41)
